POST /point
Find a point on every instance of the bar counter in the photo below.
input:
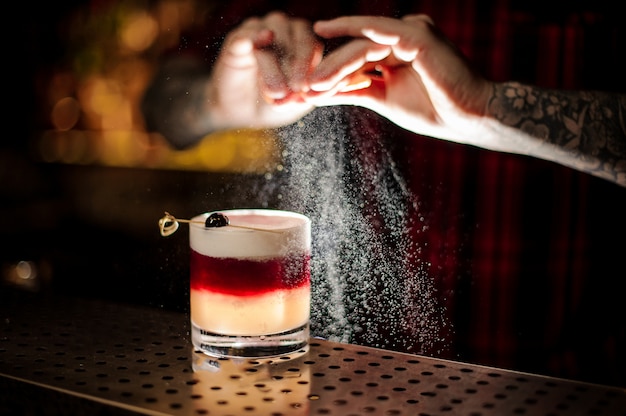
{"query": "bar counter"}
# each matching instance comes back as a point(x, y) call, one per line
point(73, 356)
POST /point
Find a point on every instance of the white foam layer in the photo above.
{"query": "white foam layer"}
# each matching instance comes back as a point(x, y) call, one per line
point(267, 233)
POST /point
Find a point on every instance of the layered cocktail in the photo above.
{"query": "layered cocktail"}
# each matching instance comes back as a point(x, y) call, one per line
point(250, 282)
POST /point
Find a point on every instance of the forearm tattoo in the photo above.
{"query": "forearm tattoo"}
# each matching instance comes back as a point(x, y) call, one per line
point(583, 130)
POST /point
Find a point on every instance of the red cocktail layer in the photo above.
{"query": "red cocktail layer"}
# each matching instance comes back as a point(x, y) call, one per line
point(248, 277)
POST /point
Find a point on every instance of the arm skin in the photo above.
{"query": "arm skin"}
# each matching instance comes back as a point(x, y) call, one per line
point(425, 85)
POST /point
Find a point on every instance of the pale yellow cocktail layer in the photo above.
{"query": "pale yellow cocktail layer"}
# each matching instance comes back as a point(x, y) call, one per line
point(269, 313)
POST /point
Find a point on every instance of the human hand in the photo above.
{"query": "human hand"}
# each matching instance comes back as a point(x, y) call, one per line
point(421, 82)
point(261, 73)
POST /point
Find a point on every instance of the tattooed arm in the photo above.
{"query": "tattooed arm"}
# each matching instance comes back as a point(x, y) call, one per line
point(584, 130)
point(423, 83)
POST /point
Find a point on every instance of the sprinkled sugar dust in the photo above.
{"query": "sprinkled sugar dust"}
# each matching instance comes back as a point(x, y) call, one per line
point(369, 286)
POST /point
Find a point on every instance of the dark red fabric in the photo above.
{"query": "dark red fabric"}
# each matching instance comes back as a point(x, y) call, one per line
point(528, 256)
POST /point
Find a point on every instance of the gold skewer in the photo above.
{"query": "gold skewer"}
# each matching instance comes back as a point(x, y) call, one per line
point(188, 221)
point(169, 224)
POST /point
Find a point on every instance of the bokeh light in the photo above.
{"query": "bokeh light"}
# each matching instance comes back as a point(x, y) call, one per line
point(65, 113)
point(93, 108)
point(138, 31)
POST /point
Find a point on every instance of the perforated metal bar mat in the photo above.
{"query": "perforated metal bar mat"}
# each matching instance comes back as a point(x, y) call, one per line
point(71, 356)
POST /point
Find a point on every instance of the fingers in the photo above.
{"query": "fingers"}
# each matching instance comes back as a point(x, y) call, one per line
point(286, 60)
point(306, 52)
point(414, 18)
point(385, 41)
point(271, 58)
point(297, 50)
point(374, 41)
point(406, 36)
point(238, 47)
point(355, 26)
point(277, 50)
point(285, 55)
point(337, 68)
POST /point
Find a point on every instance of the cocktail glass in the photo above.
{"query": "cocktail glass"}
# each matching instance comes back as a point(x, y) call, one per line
point(250, 285)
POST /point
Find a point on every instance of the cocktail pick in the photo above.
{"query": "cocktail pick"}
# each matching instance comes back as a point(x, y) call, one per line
point(169, 223)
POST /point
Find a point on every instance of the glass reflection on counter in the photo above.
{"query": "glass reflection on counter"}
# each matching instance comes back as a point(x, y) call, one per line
point(279, 385)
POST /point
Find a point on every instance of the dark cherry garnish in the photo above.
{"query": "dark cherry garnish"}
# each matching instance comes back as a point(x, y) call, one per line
point(216, 220)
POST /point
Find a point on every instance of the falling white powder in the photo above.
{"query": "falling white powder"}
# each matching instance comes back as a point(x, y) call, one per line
point(369, 285)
